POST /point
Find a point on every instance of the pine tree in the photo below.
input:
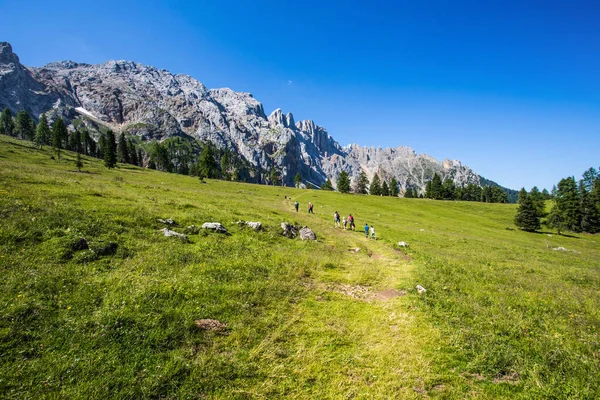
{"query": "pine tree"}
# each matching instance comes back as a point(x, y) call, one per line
point(434, 188)
point(24, 126)
point(226, 165)
point(527, 217)
point(409, 193)
point(394, 187)
point(343, 182)
point(59, 135)
point(75, 141)
point(385, 189)
point(523, 195)
point(327, 185)
point(140, 158)
point(42, 132)
point(590, 215)
point(297, 179)
point(7, 125)
point(448, 189)
point(566, 210)
point(537, 198)
point(274, 176)
point(589, 177)
point(110, 150)
point(362, 183)
point(78, 162)
point(133, 158)
point(123, 149)
point(375, 188)
point(208, 165)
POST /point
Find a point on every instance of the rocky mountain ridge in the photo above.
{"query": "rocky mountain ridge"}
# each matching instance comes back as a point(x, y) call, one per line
point(156, 104)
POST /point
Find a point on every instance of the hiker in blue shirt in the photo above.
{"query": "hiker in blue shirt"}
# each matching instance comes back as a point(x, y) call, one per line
point(367, 231)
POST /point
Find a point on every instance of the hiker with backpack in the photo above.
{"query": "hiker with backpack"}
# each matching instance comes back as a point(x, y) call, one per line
point(336, 219)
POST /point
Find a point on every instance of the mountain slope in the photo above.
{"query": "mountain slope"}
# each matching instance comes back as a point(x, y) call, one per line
point(155, 104)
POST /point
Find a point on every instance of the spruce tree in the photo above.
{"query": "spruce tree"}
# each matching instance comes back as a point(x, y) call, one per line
point(566, 210)
point(523, 195)
point(123, 149)
point(133, 158)
point(274, 176)
point(527, 217)
point(394, 187)
point(75, 141)
point(343, 182)
point(110, 150)
point(590, 215)
point(208, 165)
point(78, 162)
point(362, 183)
point(140, 158)
point(589, 177)
point(375, 188)
point(297, 179)
point(409, 193)
point(327, 185)
point(537, 198)
point(59, 133)
point(385, 189)
point(448, 189)
point(24, 126)
point(42, 132)
point(7, 125)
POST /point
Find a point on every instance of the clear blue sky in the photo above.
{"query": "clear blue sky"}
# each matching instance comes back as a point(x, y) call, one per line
point(511, 88)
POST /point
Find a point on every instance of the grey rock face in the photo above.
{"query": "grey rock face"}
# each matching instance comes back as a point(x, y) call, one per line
point(257, 226)
point(156, 104)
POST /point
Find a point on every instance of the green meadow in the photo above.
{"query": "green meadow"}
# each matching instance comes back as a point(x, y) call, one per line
point(504, 315)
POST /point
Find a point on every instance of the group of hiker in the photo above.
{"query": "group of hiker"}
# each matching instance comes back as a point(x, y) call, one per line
point(369, 230)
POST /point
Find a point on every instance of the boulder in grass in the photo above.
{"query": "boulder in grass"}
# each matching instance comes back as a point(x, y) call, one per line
point(192, 230)
point(169, 233)
point(307, 234)
point(289, 230)
point(421, 289)
point(167, 221)
point(402, 244)
point(215, 226)
point(257, 226)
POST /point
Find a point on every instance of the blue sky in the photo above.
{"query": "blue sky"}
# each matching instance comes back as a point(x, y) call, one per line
point(511, 88)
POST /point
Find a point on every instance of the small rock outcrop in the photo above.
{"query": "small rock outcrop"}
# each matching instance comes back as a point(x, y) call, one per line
point(402, 244)
point(167, 221)
point(420, 289)
point(169, 233)
point(289, 230)
point(257, 226)
point(215, 226)
point(307, 234)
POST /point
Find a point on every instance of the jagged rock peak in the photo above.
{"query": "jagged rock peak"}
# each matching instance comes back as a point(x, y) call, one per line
point(6, 54)
point(276, 118)
point(289, 121)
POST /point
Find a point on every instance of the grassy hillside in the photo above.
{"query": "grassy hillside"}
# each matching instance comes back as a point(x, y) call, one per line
point(504, 315)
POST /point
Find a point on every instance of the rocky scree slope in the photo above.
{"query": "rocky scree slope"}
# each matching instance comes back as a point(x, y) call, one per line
point(156, 104)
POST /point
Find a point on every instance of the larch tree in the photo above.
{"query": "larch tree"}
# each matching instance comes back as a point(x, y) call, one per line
point(42, 132)
point(375, 188)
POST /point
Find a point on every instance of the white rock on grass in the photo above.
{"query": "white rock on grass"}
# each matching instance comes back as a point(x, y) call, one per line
point(167, 221)
point(307, 234)
point(257, 226)
point(289, 230)
point(402, 244)
point(169, 233)
point(215, 226)
point(421, 289)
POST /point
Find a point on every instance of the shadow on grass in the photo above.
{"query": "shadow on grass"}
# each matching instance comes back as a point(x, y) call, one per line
point(557, 234)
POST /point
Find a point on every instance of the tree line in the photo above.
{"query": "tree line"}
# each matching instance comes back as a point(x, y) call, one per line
point(575, 205)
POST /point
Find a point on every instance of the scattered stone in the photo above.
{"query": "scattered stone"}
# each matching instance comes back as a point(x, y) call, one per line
point(169, 233)
point(215, 226)
point(307, 234)
point(192, 230)
point(356, 249)
point(402, 244)
point(559, 249)
point(167, 221)
point(210, 325)
point(257, 226)
point(422, 230)
point(80, 244)
point(421, 289)
point(108, 250)
point(289, 230)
